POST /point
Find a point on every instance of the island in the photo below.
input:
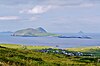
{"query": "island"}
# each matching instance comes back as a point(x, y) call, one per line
point(31, 32)
point(80, 35)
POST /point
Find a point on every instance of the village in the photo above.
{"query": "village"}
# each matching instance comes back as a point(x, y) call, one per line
point(64, 52)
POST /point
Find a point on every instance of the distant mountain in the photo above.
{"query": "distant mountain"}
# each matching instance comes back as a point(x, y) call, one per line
point(33, 32)
point(41, 30)
point(80, 34)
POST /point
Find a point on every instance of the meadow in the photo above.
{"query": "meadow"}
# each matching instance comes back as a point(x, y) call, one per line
point(18, 55)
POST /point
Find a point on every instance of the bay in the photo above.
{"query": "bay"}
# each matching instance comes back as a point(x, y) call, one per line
point(6, 38)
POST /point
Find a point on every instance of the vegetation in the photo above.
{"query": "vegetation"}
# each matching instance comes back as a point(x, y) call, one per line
point(30, 32)
point(16, 46)
point(90, 50)
point(46, 34)
point(30, 57)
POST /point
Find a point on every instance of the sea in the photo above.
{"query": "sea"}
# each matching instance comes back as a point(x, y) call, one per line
point(6, 38)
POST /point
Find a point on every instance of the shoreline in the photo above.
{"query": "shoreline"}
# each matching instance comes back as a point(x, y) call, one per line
point(42, 47)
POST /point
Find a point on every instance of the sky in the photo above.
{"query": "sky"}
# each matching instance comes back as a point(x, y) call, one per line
point(56, 16)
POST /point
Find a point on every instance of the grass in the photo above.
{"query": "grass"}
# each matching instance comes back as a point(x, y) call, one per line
point(83, 49)
point(91, 50)
point(14, 55)
point(47, 34)
point(16, 46)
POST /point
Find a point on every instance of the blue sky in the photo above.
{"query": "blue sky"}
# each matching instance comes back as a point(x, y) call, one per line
point(62, 16)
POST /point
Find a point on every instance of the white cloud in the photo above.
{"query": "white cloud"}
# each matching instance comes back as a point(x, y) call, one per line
point(65, 3)
point(50, 4)
point(82, 5)
point(38, 9)
point(9, 17)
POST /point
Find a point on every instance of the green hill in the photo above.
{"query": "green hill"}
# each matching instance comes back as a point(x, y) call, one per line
point(30, 57)
point(33, 32)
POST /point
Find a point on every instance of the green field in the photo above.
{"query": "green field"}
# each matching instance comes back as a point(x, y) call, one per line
point(17, 55)
point(16, 46)
point(91, 50)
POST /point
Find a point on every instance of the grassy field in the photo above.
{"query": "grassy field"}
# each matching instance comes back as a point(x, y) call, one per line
point(15, 55)
point(16, 46)
point(91, 50)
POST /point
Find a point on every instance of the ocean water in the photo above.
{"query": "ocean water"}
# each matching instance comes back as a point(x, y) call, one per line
point(52, 41)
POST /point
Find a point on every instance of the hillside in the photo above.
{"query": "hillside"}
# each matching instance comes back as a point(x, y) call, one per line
point(33, 32)
point(26, 57)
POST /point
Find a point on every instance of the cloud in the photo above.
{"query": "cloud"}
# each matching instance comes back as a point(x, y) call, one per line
point(83, 5)
point(9, 17)
point(48, 2)
point(15, 2)
point(70, 2)
point(46, 5)
point(38, 9)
